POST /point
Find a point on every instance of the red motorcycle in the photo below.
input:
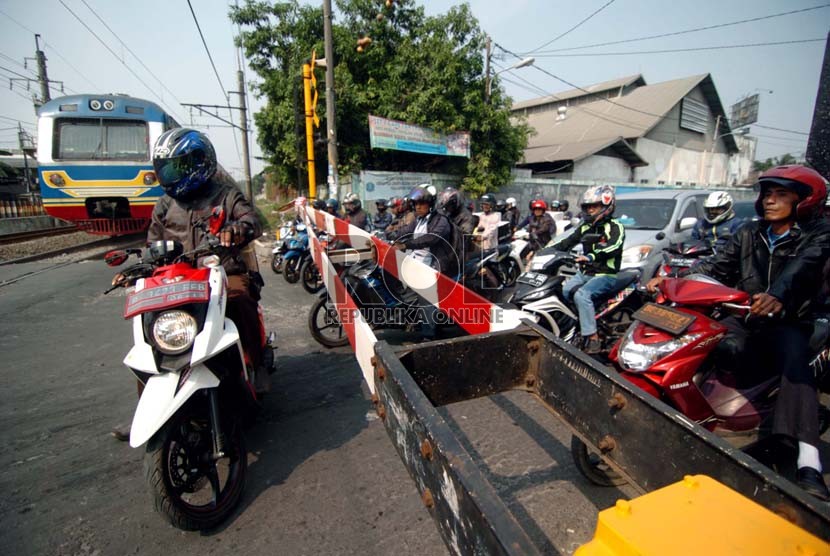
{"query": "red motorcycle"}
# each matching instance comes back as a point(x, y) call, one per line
point(667, 350)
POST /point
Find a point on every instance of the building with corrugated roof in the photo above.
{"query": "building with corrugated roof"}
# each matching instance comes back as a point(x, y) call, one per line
point(624, 130)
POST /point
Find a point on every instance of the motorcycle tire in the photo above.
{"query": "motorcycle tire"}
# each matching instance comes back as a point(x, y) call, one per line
point(592, 466)
point(512, 274)
point(310, 277)
point(324, 324)
point(291, 270)
point(276, 263)
point(182, 476)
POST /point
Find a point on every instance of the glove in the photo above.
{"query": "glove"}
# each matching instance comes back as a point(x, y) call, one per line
point(234, 234)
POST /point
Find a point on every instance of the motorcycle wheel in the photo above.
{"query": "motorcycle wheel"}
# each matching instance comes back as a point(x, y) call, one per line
point(188, 488)
point(592, 466)
point(512, 274)
point(276, 263)
point(291, 270)
point(324, 324)
point(310, 277)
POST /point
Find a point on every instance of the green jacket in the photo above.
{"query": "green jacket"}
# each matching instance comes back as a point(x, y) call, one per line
point(606, 254)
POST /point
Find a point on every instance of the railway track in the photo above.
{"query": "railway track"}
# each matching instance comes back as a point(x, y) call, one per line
point(18, 237)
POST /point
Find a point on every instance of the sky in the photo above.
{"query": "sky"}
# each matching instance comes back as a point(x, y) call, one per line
point(152, 49)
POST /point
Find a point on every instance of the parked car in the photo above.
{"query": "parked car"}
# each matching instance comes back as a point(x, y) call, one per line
point(653, 220)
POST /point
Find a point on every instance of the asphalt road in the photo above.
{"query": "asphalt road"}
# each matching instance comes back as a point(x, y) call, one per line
point(324, 477)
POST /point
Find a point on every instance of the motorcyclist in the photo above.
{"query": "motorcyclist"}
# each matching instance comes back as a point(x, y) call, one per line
point(403, 216)
point(382, 218)
point(779, 261)
point(355, 215)
point(601, 257)
point(464, 223)
point(564, 207)
point(501, 208)
point(719, 220)
point(430, 239)
point(333, 207)
point(185, 164)
point(541, 226)
point(511, 214)
point(488, 222)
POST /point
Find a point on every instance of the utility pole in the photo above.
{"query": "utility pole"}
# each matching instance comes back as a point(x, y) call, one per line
point(243, 109)
point(818, 145)
point(25, 142)
point(331, 124)
point(487, 70)
point(41, 71)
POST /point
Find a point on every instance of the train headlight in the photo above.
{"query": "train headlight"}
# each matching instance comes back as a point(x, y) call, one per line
point(174, 331)
point(95, 104)
point(149, 178)
point(56, 179)
point(109, 105)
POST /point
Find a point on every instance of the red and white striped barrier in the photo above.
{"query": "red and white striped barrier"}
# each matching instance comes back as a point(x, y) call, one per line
point(474, 313)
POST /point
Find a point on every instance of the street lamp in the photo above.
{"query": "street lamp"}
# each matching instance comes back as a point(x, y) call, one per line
point(740, 133)
point(520, 64)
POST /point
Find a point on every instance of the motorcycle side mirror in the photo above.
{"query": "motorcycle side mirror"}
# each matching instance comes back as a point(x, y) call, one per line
point(216, 220)
point(116, 257)
point(660, 236)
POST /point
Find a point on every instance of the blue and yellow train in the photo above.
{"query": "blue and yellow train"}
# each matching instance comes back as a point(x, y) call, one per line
point(94, 161)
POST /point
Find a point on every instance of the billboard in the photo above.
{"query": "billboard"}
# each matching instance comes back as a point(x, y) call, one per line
point(744, 112)
point(401, 136)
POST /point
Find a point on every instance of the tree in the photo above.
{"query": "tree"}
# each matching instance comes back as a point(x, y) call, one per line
point(782, 160)
point(422, 70)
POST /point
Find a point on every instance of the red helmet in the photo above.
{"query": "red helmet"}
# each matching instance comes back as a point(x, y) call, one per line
point(810, 186)
point(538, 204)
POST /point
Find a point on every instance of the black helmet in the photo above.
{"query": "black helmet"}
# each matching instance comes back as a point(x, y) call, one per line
point(351, 202)
point(381, 204)
point(423, 193)
point(488, 198)
point(449, 201)
point(332, 204)
point(563, 205)
point(501, 205)
point(318, 204)
point(184, 160)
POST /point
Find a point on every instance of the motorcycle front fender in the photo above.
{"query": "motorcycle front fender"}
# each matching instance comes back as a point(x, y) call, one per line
point(161, 399)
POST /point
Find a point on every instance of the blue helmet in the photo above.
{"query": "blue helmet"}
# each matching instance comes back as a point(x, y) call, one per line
point(184, 160)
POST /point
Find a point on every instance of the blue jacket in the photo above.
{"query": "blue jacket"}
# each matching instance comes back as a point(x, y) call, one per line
point(716, 234)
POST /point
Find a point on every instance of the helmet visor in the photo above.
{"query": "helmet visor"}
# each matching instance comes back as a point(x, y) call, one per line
point(171, 171)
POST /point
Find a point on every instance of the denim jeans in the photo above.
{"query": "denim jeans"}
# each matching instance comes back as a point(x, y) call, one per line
point(592, 288)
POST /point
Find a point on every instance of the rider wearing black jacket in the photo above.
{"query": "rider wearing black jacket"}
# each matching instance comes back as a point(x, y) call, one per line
point(779, 262)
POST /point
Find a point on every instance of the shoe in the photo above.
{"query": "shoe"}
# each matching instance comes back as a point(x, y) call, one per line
point(121, 432)
point(812, 482)
point(592, 347)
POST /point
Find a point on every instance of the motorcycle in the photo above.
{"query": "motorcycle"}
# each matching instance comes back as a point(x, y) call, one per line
point(667, 350)
point(281, 247)
point(679, 257)
point(310, 277)
point(198, 391)
point(295, 255)
point(539, 291)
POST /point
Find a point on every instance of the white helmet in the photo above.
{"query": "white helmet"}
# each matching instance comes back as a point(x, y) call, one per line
point(511, 202)
point(604, 197)
point(718, 207)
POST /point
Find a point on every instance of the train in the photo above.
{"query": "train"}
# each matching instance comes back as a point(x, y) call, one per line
point(94, 161)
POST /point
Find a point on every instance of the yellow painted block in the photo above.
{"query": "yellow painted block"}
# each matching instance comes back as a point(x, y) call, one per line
point(697, 516)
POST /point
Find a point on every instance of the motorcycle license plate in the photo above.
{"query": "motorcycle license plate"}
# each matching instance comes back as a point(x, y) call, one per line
point(679, 261)
point(664, 318)
point(533, 278)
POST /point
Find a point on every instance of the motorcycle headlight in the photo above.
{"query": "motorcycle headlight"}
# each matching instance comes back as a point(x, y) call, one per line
point(640, 357)
point(174, 332)
point(636, 254)
point(536, 295)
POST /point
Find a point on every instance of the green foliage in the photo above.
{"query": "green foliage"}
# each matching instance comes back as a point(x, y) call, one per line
point(427, 71)
point(782, 160)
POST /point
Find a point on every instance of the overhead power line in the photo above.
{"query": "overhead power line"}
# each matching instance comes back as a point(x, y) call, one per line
point(134, 55)
point(683, 32)
point(123, 63)
point(196, 20)
point(675, 50)
point(556, 38)
point(779, 129)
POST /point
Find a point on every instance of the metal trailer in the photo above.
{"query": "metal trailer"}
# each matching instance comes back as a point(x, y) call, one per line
point(609, 414)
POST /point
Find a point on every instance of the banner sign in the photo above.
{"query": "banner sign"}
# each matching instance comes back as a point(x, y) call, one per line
point(401, 136)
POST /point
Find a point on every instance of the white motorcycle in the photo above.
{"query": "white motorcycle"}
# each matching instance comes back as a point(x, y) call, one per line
point(198, 390)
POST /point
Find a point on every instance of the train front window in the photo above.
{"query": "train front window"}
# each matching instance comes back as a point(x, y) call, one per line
point(100, 139)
